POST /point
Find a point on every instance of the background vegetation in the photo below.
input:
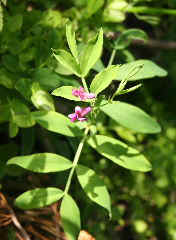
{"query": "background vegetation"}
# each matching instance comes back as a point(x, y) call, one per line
point(144, 204)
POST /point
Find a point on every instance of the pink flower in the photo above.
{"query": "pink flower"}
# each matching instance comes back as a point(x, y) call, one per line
point(82, 94)
point(79, 114)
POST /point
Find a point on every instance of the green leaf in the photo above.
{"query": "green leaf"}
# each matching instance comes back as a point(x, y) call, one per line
point(13, 129)
point(71, 41)
point(120, 153)
point(23, 85)
point(91, 53)
point(99, 66)
point(103, 79)
point(6, 79)
point(21, 114)
point(65, 92)
point(93, 6)
point(127, 36)
point(11, 63)
point(41, 99)
point(94, 187)
point(39, 197)
point(49, 80)
point(131, 117)
point(42, 162)
point(17, 19)
point(4, 113)
point(57, 122)
point(4, 2)
point(70, 217)
point(66, 59)
point(149, 70)
point(115, 11)
point(1, 18)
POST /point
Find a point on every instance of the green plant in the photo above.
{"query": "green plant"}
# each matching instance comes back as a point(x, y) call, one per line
point(80, 63)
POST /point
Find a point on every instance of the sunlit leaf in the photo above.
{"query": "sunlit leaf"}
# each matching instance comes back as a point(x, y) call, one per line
point(21, 114)
point(68, 61)
point(131, 117)
point(56, 122)
point(120, 153)
point(42, 162)
point(39, 197)
point(149, 70)
point(70, 217)
point(93, 6)
point(41, 99)
point(91, 54)
point(94, 187)
point(103, 79)
point(71, 40)
point(127, 36)
point(65, 92)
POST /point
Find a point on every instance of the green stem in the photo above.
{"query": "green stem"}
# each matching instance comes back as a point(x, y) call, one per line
point(112, 57)
point(75, 161)
point(150, 10)
point(84, 84)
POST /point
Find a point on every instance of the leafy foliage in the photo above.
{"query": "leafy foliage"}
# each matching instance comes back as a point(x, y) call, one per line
point(40, 56)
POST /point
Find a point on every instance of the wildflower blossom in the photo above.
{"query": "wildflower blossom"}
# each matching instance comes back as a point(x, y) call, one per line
point(79, 114)
point(82, 94)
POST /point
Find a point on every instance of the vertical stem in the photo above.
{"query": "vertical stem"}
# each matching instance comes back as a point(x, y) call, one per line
point(112, 57)
point(75, 161)
point(84, 84)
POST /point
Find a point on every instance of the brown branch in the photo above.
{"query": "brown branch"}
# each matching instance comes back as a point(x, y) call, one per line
point(150, 43)
point(37, 234)
point(156, 44)
point(4, 204)
point(56, 219)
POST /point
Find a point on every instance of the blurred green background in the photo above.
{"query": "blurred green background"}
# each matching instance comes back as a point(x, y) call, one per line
point(144, 204)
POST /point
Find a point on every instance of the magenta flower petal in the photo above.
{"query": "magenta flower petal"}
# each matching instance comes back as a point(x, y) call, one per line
point(79, 114)
point(81, 89)
point(82, 119)
point(82, 94)
point(85, 111)
point(73, 117)
point(75, 92)
point(78, 110)
point(91, 95)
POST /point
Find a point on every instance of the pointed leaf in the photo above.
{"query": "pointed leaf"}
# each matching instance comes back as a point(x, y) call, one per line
point(39, 197)
point(99, 66)
point(21, 114)
point(42, 162)
point(149, 70)
point(94, 187)
point(127, 36)
point(91, 54)
point(93, 6)
point(42, 75)
point(66, 59)
point(65, 92)
point(71, 41)
point(13, 129)
point(103, 79)
point(131, 117)
point(120, 153)
point(56, 122)
point(41, 99)
point(70, 217)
